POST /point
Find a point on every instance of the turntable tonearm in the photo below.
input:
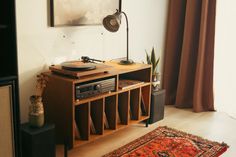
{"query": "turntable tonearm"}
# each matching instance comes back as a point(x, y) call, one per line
point(78, 69)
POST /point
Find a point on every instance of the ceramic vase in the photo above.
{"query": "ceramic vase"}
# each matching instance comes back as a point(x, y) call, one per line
point(36, 112)
point(156, 81)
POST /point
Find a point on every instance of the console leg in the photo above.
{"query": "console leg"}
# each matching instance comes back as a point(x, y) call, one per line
point(65, 149)
point(147, 122)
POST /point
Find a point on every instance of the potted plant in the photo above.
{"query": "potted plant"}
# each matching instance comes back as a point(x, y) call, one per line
point(152, 60)
point(157, 103)
point(36, 109)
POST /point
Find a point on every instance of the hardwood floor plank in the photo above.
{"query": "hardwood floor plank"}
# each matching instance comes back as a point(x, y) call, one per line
point(216, 126)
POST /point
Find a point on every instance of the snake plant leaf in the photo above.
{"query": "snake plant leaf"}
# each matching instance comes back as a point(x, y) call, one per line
point(153, 58)
point(148, 58)
point(157, 61)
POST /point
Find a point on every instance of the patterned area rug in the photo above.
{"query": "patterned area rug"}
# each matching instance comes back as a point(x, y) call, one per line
point(168, 142)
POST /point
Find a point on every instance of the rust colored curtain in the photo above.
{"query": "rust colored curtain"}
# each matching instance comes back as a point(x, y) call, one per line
point(189, 54)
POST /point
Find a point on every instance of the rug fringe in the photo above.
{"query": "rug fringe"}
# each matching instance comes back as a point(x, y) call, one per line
point(191, 135)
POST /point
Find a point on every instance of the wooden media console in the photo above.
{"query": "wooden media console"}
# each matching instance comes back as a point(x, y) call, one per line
point(78, 122)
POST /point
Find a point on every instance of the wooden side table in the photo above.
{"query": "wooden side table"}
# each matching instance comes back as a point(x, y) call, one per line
point(38, 142)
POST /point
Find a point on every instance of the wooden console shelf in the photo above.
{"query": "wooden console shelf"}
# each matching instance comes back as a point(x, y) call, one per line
point(81, 121)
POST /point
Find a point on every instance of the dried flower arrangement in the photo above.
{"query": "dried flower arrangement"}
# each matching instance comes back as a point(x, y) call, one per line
point(41, 84)
point(36, 109)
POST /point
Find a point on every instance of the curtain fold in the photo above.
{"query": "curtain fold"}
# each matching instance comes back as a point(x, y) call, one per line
point(189, 54)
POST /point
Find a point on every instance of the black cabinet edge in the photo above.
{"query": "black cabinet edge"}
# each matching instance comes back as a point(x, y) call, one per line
point(8, 78)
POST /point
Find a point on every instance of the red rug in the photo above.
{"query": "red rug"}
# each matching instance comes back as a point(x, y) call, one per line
point(167, 142)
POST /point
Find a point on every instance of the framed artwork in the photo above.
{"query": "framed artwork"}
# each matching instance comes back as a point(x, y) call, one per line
point(81, 12)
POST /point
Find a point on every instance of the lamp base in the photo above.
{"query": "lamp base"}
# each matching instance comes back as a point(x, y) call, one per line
point(126, 62)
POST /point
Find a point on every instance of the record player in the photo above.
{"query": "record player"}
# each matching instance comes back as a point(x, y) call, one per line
point(80, 68)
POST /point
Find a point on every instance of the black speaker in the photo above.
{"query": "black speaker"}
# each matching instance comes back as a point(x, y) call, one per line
point(157, 106)
point(38, 142)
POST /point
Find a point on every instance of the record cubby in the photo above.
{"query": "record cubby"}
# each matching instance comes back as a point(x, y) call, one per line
point(81, 121)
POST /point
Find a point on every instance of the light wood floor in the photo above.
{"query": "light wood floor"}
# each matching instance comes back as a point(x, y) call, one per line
point(215, 126)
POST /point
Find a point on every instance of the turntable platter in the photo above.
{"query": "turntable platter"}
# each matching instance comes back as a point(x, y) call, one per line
point(78, 67)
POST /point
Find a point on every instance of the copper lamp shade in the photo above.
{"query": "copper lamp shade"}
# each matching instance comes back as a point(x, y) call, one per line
point(112, 24)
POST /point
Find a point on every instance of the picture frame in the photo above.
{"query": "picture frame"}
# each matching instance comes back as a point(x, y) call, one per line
point(81, 12)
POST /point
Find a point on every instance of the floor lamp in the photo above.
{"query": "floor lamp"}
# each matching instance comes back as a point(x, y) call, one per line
point(112, 24)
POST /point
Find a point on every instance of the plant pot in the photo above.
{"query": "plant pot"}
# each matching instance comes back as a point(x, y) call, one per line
point(154, 78)
point(155, 82)
point(36, 111)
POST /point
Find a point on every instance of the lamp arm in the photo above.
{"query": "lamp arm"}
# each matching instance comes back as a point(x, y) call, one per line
point(127, 31)
point(126, 18)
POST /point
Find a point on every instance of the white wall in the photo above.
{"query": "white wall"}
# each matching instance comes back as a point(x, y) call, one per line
point(40, 45)
point(225, 57)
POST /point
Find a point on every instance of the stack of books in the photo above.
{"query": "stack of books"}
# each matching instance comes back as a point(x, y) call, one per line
point(125, 84)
